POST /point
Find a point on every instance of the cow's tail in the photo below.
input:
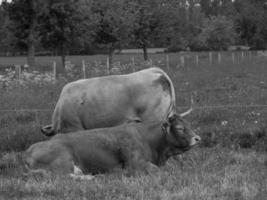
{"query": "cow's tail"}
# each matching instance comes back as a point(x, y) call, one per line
point(172, 107)
point(50, 130)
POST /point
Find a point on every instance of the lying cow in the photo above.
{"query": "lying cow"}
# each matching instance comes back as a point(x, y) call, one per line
point(132, 146)
point(145, 96)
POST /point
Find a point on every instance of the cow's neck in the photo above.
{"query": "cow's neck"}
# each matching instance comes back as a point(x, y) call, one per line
point(158, 144)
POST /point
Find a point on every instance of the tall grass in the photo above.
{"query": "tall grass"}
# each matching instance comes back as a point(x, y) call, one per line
point(210, 173)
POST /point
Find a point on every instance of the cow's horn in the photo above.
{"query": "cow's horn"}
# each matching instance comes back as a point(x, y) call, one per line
point(186, 112)
point(190, 109)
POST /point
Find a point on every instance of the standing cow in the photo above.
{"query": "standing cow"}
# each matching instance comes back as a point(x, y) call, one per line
point(145, 96)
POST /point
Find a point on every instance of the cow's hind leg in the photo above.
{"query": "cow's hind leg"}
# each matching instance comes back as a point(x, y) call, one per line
point(133, 119)
point(49, 156)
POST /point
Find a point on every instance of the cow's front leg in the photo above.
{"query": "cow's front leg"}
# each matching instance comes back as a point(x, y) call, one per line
point(151, 168)
point(138, 162)
point(133, 120)
point(143, 166)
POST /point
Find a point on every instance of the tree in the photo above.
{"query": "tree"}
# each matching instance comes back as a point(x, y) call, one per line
point(6, 36)
point(64, 23)
point(217, 33)
point(251, 23)
point(115, 19)
point(205, 7)
point(149, 21)
point(24, 18)
point(217, 7)
point(183, 25)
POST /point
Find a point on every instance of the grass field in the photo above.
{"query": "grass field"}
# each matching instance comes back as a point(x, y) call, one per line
point(231, 162)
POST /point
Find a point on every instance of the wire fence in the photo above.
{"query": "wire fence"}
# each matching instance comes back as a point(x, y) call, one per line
point(264, 106)
point(182, 59)
point(211, 58)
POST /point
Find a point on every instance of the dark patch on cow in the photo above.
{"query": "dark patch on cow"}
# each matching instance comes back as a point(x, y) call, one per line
point(121, 158)
point(83, 99)
point(164, 82)
point(83, 124)
point(140, 110)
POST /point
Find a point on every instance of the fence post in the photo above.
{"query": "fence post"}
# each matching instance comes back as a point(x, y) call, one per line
point(133, 64)
point(36, 118)
point(242, 55)
point(233, 57)
point(18, 71)
point(83, 69)
point(197, 60)
point(219, 57)
point(210, 58)
point(55, 69)
point(182, 61)
point(249, 54)
point(108, 73)
point(151, 63)
point(167, 62)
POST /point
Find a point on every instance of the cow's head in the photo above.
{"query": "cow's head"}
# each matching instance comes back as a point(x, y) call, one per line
point(179, 135)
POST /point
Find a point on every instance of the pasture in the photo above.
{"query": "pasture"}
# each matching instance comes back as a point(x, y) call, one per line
point(230, 100)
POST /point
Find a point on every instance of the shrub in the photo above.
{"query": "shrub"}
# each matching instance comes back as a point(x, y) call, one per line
point(246, 140)
point(217, 33)
point(208, 139)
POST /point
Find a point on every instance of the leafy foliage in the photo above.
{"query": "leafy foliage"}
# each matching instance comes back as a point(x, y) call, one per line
point(217, 33)
point(24, 16)
point(63, 25)
point(6, 36)
point(115, 19)
point(149, 21)
point(90, 26)
point(251, 23)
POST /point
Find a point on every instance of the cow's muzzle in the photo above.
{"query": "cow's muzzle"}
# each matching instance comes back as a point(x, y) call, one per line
point(195, 140)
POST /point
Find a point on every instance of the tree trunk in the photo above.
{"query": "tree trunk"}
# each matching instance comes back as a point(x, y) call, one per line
point(31, 44)
point(31, 39)
point(145, 52)
point(30, 53)
point(63, 59)
point(62, 52)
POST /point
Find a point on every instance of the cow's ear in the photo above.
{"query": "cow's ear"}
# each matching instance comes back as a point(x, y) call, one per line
point(173, 117)
point(165, 127)
point(165, 124)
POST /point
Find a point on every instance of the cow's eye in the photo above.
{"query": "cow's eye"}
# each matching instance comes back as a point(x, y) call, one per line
point(180, 128)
